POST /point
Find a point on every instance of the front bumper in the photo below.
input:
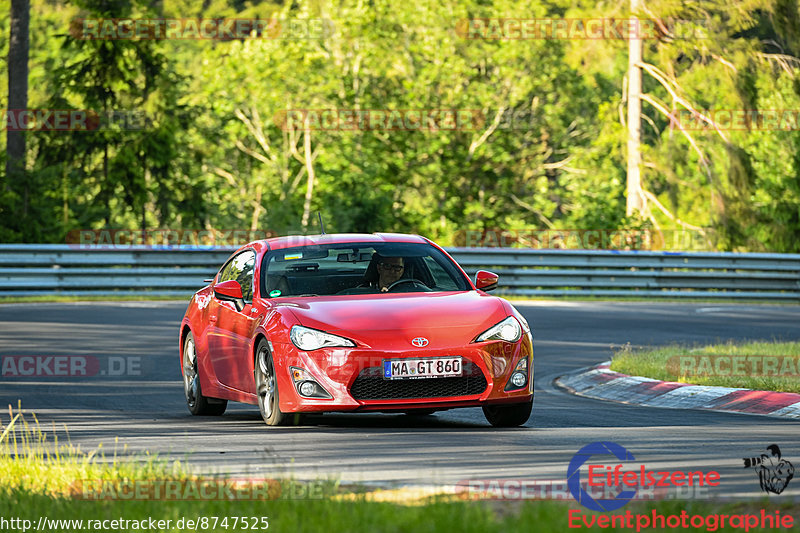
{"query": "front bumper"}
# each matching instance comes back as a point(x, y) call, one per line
point(353, 378)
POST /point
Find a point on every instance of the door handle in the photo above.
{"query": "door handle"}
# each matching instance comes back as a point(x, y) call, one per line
point(212, 318)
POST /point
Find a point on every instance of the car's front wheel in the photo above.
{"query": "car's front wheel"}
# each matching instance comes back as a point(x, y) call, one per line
point(267, 387)
point(197, 403)
point(508, 415)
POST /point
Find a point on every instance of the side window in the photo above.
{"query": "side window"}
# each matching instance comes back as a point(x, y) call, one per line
point(241, 268)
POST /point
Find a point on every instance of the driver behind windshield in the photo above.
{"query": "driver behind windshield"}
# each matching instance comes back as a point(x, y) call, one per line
point(390, 269)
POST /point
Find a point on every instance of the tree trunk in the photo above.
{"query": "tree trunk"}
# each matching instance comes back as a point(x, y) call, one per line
point(17, 90)
point(309, 172)
point(635, 199)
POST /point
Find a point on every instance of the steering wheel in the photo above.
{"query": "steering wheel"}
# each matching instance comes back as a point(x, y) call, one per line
point(416, 282)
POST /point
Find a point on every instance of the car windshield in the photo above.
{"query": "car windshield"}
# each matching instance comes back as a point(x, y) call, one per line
point(359, 268)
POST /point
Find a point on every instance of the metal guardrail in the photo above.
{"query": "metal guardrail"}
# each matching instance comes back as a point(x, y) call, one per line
point(639, 274)
point(34, 270)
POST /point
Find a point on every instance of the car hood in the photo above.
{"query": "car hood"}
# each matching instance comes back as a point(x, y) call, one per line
point(456, 317)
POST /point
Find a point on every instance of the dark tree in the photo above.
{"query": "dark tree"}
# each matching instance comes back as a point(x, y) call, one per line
point(17, 91)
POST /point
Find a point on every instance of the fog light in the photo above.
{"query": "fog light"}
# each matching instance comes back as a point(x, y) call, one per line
point(307, 388)
point(306, 385)
point(518, 379)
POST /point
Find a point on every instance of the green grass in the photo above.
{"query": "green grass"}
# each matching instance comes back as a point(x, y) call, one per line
point(37, 473)
point(328, 516)
point(685, 364)
point(34, 461)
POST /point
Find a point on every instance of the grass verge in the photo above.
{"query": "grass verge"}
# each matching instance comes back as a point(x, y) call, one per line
point(38, 476)
point(771, 366)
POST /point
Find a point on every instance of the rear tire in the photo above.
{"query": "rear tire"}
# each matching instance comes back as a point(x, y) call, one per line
point(198, 404)
point(267, 387)
point(508, 415)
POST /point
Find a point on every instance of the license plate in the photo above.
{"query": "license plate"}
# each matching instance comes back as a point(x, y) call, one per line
point(429, 367)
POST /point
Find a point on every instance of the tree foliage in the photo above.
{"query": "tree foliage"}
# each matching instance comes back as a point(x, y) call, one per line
point(547, 149)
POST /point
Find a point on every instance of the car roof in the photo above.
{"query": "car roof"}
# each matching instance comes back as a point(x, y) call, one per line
point(290, 241)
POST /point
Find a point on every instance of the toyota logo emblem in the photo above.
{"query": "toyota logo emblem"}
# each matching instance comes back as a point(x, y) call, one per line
point(419, 342)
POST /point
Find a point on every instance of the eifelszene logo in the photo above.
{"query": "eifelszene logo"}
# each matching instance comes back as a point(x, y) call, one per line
point(574, 476)
point(608, 479)
point(774, 473)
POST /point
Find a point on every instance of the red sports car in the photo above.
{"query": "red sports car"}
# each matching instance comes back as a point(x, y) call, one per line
point(353, 322)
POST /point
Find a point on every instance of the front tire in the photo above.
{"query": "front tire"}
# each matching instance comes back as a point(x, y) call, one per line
point(267, 387)
point(508, 415)
point(198, 404)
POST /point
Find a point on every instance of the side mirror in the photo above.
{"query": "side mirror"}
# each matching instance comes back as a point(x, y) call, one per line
point(230, 291)
point(485, 280)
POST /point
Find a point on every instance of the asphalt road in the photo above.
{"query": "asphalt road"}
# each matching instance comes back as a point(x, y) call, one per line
point(136, 395)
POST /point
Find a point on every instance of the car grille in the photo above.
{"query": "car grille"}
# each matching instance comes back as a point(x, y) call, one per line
point(370, 385)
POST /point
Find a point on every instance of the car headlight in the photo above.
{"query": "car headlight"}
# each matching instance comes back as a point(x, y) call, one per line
point(506, 330)
point(311, 339)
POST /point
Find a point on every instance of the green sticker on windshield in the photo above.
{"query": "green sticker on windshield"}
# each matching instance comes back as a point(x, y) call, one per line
point(274, 294)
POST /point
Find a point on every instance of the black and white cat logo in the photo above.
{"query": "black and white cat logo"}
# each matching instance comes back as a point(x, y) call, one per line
point(774, 473)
